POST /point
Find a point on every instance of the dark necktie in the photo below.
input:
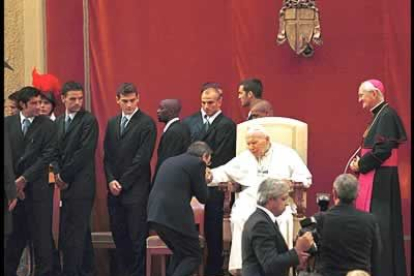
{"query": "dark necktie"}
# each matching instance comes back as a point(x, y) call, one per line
point(124, 121)
point(67, 123)
point(206, 124)
point(25, 126)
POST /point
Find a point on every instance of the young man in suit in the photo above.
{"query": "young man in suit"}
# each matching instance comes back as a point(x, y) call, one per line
point(219, 132)
point(176, 136)
point(264, 250)
point(32, 140)
point(74, 168)
point(350, 238)
point(128, 146)
point(169, 207)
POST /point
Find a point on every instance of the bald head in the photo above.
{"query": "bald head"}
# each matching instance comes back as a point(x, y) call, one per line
point(261, 109)
point(168, 109)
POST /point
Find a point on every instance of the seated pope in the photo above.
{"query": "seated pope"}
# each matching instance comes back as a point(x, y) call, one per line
point(263, 159)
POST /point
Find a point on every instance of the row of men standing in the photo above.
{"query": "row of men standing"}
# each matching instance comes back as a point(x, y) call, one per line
point(69, 145)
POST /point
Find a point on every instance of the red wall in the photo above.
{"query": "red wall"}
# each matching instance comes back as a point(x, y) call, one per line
point(169, 49)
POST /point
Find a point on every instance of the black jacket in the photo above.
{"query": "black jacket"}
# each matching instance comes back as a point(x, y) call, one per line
point(178, 180)
point(127, 157)
point(173, 142)
point(264, 250)
point(349, 240)
point(221, 136)
point(8, 182)
point(75, 155)
point(32, 153)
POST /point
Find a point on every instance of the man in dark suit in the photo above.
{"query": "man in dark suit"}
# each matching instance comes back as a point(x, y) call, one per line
point(176, 136)
point(264, 250)
point(169, 210)
point(32, 140)
point(219, 132)
point(128, 145)
point(350, 238)
point(74, 168)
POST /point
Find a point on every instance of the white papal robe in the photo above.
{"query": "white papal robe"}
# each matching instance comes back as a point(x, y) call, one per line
point(279, 162)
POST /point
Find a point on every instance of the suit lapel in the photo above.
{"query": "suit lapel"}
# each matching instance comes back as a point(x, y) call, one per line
point(61, 126)
point(118, 127)
point(199, 125)
point(18, 125)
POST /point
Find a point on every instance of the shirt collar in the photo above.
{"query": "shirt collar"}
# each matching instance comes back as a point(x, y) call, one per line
point(170, 122)
point(70, 115)
point(130, 115)
point(52, 116)
point(22, 118)
point(378, 104)
point(270, 214)
point(210, 118)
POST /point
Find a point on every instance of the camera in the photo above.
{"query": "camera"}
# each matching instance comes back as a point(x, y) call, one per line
point(323, 199)
point(310, 225)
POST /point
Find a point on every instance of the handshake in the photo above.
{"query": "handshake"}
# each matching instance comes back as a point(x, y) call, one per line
point(222, 186)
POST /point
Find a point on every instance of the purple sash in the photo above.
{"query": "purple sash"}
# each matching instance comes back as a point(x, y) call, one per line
point(366, 181)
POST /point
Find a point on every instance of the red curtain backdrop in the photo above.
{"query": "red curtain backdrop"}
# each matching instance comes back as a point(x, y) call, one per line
point(169, 48)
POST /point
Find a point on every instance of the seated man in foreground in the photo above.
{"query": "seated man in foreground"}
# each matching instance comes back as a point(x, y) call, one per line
point(263, 159)
point(349, 237)
point(264, 249)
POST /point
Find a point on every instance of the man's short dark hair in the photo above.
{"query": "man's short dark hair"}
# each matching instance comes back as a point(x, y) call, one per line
point(346, 187)
point(28, 92)
point(126, 88)
point(199, 148)
point(14, 96)
point(254, 85)
point(71, 86)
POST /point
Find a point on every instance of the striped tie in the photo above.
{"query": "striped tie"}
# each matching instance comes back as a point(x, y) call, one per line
point(25, 126)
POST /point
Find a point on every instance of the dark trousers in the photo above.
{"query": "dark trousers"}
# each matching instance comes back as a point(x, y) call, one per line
point(32, 223)
point(129, 229)
point(213, 228)
point(187, 255)
point(75, 239)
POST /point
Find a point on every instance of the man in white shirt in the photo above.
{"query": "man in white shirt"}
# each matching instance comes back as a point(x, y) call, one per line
point(262, 160)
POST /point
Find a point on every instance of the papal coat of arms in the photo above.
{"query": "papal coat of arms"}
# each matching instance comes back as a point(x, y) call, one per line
point(299, 24)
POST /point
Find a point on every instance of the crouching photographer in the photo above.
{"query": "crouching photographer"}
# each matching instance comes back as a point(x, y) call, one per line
point(349, 239)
